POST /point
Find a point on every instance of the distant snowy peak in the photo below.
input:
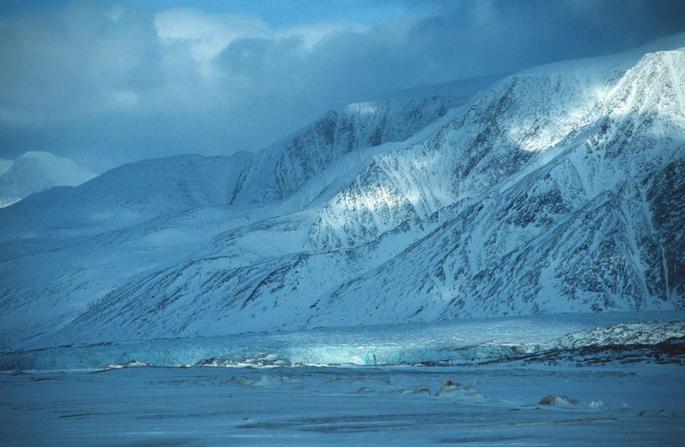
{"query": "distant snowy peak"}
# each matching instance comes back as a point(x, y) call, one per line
point(4, 165)
point(37, 171)
point(129, 194)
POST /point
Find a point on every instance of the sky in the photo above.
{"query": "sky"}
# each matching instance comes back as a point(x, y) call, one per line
point(109, 82)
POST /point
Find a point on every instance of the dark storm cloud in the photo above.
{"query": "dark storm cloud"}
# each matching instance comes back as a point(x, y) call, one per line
point(107, 84)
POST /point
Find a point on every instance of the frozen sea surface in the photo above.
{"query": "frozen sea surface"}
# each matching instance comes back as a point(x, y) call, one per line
point(475, 406)
point(569, 380)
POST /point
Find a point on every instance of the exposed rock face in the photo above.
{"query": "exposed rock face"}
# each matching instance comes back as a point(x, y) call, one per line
point(553, 399)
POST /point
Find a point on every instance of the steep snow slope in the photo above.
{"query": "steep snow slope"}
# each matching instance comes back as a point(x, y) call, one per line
point(558, 189)
point(37, 171)
point(126, 195)
point(283, 168)
point(143, 190)
point(65, 248)
point(585, 231)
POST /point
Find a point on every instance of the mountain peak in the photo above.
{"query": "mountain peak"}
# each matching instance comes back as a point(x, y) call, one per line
point(36, 171)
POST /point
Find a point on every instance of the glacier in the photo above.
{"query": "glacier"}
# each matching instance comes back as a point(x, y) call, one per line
point(530, 339)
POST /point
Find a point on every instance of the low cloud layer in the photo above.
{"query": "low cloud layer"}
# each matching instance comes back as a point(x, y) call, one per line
point(108, 83)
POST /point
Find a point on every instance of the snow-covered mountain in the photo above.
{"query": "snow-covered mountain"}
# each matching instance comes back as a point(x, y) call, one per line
point(35, 172)
point(67, 247)
point(556, 189)
point(282, 169)
point(125, 196)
